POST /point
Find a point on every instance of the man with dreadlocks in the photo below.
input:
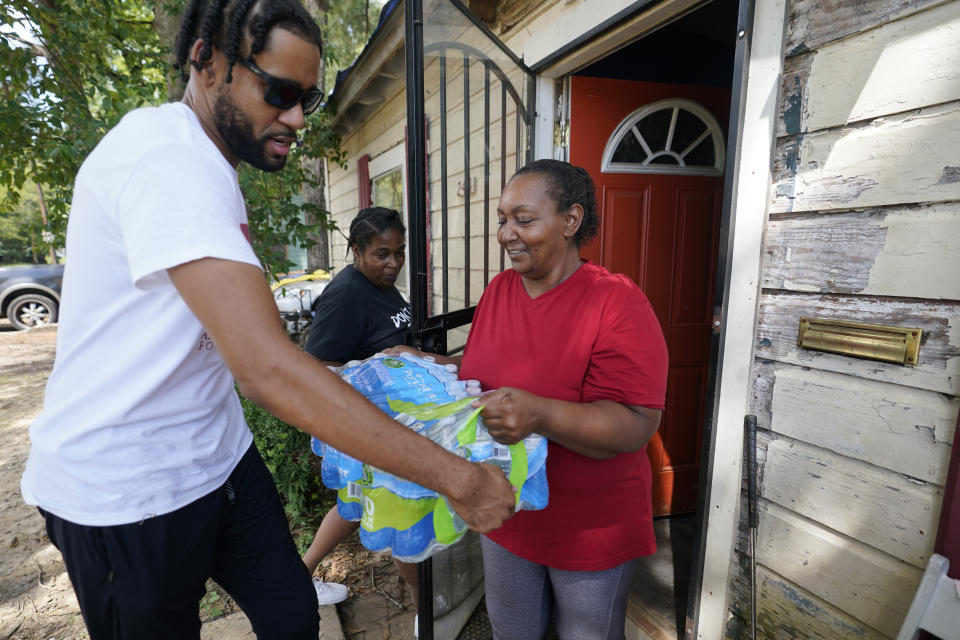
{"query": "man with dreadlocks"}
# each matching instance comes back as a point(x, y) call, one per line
point(140, 462)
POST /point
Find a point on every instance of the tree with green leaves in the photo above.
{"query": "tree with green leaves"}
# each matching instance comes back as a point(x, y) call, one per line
point(70, 70)
point(347, 26)
point(21, 228)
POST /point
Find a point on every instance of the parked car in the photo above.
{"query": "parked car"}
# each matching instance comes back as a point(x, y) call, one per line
point(297, 300)
point(30, 294)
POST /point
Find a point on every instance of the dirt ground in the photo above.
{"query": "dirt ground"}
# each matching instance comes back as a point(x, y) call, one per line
point(379, 606)
point(36, 599)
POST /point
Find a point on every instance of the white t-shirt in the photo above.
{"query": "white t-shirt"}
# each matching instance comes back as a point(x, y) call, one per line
point(140, 416)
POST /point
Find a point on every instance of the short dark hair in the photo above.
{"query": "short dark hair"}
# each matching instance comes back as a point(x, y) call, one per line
point(371, 222)
point(228, 22)
point(569, 185)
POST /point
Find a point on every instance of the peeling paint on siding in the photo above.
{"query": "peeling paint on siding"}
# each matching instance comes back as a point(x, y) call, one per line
point(878, 507)
point(860, 580)
point(796, 75)
point(822, 253)
point(879, 421)
point(840, 189)
point(812, 24)
point(907, 64)
point(791, 154)
point(903, 251)
point(865, 175)
point(791, 115)
point(888, 161)
point(950, 175)
point(786, 611)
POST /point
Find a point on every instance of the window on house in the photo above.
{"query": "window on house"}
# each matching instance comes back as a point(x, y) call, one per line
point(387, 190)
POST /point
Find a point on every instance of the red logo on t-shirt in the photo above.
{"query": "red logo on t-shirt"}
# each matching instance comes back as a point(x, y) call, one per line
point(246, 232)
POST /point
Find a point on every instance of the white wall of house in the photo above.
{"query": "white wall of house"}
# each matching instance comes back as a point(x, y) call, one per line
point(378, 137)
point(862, 219)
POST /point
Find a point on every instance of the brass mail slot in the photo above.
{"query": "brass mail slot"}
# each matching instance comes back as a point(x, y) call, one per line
point(872, 341)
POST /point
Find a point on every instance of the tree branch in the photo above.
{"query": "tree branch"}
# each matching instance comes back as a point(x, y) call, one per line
point(53, 56)
point(38, 49)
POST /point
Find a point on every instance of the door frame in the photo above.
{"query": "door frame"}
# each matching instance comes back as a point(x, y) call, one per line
point(747, 178)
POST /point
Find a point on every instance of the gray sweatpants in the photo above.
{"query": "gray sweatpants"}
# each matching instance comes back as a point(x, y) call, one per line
point(522, 597)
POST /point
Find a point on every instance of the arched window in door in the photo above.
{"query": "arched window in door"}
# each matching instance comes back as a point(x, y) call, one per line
point(675, 136)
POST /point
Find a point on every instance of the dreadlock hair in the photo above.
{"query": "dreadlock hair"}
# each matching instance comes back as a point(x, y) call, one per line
point(370, 223)
point(229, 22)
point(569, 185)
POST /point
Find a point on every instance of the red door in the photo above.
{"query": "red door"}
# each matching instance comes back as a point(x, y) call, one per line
point(661, 229)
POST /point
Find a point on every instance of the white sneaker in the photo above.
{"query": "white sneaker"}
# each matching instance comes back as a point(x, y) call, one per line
point(330, 592)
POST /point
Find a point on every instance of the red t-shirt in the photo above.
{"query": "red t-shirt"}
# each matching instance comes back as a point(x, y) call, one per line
point(592, 337)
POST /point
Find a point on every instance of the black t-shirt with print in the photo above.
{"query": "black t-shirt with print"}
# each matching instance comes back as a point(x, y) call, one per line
point(355, 319)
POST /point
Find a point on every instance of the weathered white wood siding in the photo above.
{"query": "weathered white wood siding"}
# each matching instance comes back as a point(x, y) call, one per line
point(863, 220)
point(784, 612)
point(906, 430)
point(870, 62)
point(871, 251)
point(902, 158)
point(883, 509)
point(858, 579)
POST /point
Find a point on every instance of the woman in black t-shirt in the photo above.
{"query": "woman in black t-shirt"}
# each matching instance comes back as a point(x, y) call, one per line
point(358, 314)
point(361, 312)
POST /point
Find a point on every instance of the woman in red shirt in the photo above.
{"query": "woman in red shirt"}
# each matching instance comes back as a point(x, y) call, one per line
point(575, 354)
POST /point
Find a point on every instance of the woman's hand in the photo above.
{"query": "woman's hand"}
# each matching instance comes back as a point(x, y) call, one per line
point(402, 348)
point(600, 429)
point(509, 414)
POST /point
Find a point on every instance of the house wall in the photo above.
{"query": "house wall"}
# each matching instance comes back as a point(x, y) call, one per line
point(863, 217)
point(378, 135)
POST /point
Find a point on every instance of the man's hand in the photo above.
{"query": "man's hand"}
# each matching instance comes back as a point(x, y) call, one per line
point(510, 415)
point(487, 498)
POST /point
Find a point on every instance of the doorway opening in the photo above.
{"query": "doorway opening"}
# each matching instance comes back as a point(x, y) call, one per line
point(649, 122)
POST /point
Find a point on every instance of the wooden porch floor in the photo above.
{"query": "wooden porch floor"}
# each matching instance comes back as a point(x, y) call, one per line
point(658, 600)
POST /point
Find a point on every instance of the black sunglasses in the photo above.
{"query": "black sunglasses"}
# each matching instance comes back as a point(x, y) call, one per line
point(284, 94)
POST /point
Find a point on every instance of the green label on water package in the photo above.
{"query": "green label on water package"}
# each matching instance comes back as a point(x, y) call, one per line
point(428, 410)
point(381, 508)
point(443, 524)
point(518, 467)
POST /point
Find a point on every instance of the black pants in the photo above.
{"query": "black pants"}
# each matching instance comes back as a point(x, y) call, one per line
point(145, 580)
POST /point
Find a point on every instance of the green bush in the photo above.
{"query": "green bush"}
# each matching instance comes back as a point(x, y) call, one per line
point(295, 469)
